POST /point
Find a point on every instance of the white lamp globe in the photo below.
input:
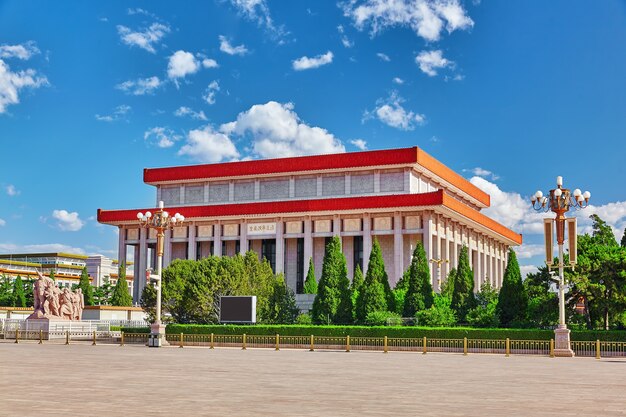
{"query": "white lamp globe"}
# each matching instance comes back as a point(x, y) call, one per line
point(140, 215)
point(538, 194)
point(148, 214)
point(165, 214)
point(558, 192)
point(182, 218)
point(577, 192)
point(587, 195)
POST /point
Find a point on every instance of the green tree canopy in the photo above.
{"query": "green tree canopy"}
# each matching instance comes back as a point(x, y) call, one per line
point(512, 300)
point(19, 299)
point(484, 314)
point(310, 284)
point(447, 288)
point(121, 296)
point(85, 285)
point(463, 294)
point(543, 304)
point(333, 303)
point(374, 294)
point(419, 294)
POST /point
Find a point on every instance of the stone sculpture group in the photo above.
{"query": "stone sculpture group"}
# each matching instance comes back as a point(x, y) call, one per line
point(52, 302)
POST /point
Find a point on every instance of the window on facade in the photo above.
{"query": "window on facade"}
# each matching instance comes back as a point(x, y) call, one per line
point(170, 195)
point(223, 247)
point(362, 184)
point(391, 181)
point(244, 191)
point(218, 192)
point(268, 251)
point(335, 185)
point(358, 252)
point(274, 189)
point(305, 187)
point(194, 194)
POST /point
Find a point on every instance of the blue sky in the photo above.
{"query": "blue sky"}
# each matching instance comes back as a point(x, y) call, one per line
point(508, 93)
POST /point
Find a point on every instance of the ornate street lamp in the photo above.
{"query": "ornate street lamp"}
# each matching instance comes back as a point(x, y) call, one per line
point(438, 262)
point(560, 201)
point(160, 221)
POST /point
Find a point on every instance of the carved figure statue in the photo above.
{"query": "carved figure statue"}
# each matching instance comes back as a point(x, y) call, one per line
point(50, 302)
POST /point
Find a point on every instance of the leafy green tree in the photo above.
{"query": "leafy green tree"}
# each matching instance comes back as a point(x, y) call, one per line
point(102, 294)
point(282, 303)
point(28, 291)
point(374, 296)
point(602, 232)
point(419, 294)
point(512, 300)
point(357, 284)
point(310, 284)
point(623, 241)
point(85, 285)
point(439, 314)
point(484, 314)
point(148, 302)
point(51, 275)
point(447, 288)
point(463, 294)
point(543, 304)
point(19, 299)
point(121, 296)
point(6, 292)
point(333, 302)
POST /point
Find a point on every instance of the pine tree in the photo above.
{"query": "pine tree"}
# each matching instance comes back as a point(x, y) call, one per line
point(19, 299)
point(448, 286)
point(419, 295)
point(86, 287)
point(623, 242)
point(512, 300)
point(121, 296)
point(310, 284)
point(374, 295)
point(602, 232)
point(463, 295)
point(333, 303)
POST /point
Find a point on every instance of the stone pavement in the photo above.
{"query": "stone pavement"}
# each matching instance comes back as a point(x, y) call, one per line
point(104, 380)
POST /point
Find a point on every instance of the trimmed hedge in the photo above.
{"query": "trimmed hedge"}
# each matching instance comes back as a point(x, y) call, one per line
point(135, 329)
point(391, 331)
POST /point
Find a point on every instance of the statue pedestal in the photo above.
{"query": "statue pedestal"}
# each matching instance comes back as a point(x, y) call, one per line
point(56, 328)
point(157, 336)
point(562, 347)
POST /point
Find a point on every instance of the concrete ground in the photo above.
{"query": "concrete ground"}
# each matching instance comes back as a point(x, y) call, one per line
point(104, 380)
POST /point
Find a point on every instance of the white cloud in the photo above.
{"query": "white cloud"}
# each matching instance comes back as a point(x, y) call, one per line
point(2, 222)
point(485, 173)
point(277, 131)
point(391, 112)
point(211, 90)
point(39, 248)
point(146, 39)
point(209, 63)
point(258, 11)
point(162, 137)
point(207, 146)
point(359, 143)
point(383, 57)
point(68, 221)
point(430, 61)
point(305, 63)
point(347, 43)
point(22, 51)
point(181, 64)
point(527, 269)
point(398, 80)
point(11, 190)
point(119, 113)
point(427, 18)
point(140, 86)
point(527, 251)
point(12, 82)
point(227, 48)
point(186, 111)
point(140, 11)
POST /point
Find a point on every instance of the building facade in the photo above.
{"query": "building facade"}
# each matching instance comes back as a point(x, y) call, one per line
point(286, 209)
point(67, 267)
point(102, 268)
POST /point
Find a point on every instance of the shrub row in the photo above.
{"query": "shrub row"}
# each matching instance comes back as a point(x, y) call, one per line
point(392, 331)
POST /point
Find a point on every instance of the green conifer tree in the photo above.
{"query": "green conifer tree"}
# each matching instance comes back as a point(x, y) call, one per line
point(19, 299)
point(419, 295)
point(623, 242)
point(86, 287)
point(447, 288)
point(374, 295)
point(333, 303)
point(512, 300)
point(310, 284)
point(463, 295)
point(121, 295)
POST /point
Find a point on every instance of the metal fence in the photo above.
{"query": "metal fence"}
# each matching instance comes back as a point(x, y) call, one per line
point(423, 345)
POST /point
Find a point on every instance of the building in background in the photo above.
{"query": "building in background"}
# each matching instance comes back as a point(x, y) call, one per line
point(67, 267)
point(287, 209)
point(102, 268)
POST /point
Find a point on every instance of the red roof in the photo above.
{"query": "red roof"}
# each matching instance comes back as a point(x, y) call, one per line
point(437, 198)
point(402, 156)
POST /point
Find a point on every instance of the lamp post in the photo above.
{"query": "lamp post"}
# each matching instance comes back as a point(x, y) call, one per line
point(160, 221)
point(559, 202)
point(438, 273)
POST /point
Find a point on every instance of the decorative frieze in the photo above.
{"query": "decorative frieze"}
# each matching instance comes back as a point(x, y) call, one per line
point(382, 223)
point(412, 222)
point(205, 231)
point(132, 234)
point(322, 226)
point(294, 227)
point(352, 225)
point(261, 229)
point(152, 233)
point(180, 232)
point(230, 230)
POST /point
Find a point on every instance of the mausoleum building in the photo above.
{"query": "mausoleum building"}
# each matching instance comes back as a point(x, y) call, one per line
point(286, 209)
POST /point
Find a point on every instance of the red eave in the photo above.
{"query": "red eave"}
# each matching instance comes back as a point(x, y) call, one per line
point(282, 165)
point(280, 207)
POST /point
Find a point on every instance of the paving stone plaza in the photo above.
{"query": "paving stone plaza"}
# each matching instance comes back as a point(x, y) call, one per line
point(105, 380)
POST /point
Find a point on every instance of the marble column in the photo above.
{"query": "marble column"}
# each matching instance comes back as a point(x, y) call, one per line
point(308, 242)
point(367, 241)
point(398, 244)
point(280, 248)
point(217, 239)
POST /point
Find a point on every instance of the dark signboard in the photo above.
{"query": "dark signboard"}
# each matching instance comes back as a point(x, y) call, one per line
point(238, 309)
